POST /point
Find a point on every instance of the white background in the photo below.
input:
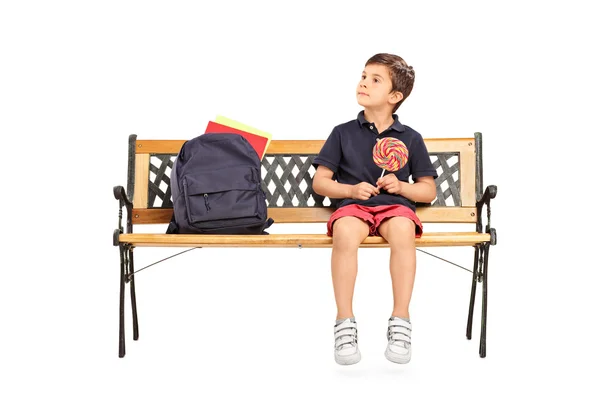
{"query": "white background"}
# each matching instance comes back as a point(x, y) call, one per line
point(77, 78)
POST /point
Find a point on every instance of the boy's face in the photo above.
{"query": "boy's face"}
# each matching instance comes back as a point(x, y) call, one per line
point(374, 89)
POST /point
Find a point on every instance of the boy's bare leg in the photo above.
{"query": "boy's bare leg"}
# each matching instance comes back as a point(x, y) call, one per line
point(348, 234)
point(400, 234)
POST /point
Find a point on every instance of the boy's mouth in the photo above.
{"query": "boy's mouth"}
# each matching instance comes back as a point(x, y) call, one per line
point(363, 94)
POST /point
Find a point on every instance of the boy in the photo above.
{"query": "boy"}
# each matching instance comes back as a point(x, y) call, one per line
point(372, 205)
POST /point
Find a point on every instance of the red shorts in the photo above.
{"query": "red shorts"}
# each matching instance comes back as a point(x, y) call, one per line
point(374, 216)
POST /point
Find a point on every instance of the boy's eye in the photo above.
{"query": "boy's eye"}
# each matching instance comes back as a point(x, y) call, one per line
point(376, 80)
point(363, 77)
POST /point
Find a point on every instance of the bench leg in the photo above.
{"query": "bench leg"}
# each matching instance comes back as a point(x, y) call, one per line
point(482, 340)
point(473, 290)
point(122, 304)
point(136, 333)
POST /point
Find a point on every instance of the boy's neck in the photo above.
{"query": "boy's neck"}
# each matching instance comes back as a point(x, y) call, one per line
point(381, 118)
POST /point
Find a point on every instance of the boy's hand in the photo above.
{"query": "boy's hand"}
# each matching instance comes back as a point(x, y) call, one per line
point(390, 184)
point(363, 191)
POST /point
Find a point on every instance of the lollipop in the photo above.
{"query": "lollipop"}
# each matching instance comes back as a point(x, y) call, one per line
point(390, 154)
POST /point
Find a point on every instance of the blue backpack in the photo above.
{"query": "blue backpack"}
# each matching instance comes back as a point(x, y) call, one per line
point(216, 187)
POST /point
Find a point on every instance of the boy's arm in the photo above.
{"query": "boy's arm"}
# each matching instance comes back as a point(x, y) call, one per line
point(324, 185)
point(422, 191)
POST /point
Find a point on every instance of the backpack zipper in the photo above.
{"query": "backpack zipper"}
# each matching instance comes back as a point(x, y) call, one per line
point(206, 202)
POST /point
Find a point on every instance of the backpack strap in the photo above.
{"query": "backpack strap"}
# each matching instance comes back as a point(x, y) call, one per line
point(172, 228)
point(267, 224)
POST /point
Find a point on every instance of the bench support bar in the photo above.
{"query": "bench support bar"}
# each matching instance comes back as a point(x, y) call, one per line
point(126, 253)
point(480, 274)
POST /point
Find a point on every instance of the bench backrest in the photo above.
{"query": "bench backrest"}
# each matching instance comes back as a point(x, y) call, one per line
point(287, 173)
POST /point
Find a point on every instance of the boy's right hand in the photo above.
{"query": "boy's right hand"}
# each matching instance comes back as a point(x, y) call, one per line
point(363, 191)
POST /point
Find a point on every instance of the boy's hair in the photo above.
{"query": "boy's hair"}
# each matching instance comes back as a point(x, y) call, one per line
point(402, 75)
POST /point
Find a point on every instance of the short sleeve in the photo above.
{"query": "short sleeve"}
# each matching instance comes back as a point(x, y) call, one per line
point(331, 152)
point(420, 163)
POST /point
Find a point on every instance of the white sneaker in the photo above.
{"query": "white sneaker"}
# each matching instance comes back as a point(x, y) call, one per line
point(398, 334)
point(346, 342)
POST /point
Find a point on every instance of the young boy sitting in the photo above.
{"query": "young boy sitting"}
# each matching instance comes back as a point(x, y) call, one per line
point(375, 205)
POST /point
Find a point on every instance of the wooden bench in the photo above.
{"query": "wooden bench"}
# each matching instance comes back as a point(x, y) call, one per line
point(287, 173)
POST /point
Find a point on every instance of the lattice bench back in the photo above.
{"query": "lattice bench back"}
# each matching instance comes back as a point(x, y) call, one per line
point(287, 173)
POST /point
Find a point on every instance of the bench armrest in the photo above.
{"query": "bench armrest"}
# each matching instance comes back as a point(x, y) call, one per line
point(488, 195)
point(119, 192)
point(121, 195)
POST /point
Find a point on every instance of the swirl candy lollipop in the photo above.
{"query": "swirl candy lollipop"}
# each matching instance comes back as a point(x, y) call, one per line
point(390, 154)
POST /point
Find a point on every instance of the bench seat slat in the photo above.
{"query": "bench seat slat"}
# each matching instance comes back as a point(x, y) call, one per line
point(290, 240)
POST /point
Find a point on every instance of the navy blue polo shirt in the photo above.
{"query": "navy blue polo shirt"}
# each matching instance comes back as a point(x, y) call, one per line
point(348, 152)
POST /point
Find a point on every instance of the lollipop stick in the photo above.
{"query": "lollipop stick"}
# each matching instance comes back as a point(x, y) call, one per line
point(382, 172)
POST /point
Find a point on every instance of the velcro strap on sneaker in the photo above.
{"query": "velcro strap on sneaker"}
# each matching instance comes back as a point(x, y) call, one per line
point(400, 322)
point(399, 329)
point(399, 336)
point(345, 332)
point(346, 339)
point(344, 325)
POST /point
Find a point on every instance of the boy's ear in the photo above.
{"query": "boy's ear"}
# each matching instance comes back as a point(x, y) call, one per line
point(396, 96)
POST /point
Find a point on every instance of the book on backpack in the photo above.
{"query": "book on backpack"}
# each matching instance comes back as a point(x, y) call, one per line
point(216, 187)
point(258, 139)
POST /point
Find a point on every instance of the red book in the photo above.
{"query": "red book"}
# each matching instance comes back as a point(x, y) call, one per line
point(259, 143)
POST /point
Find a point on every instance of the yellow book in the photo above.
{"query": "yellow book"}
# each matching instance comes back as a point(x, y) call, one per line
point(243, 127)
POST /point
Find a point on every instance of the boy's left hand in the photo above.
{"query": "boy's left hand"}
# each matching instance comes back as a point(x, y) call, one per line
point(390, 184)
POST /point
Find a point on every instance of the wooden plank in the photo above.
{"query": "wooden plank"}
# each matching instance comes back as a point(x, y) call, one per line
point(447, 214)
point(300, 215)
point(467, 176)
point(158, 146)
point(142, 171)
point(449, 145)
point(291, 240)
point(152, 215)
point(319, 214)
point(275, 147)
point(297, 146)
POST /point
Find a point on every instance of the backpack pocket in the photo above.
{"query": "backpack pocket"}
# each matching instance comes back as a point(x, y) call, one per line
point(224, 194)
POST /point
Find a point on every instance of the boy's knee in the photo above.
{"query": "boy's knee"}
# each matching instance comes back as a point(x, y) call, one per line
point(398, 230)
point(349, 232)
